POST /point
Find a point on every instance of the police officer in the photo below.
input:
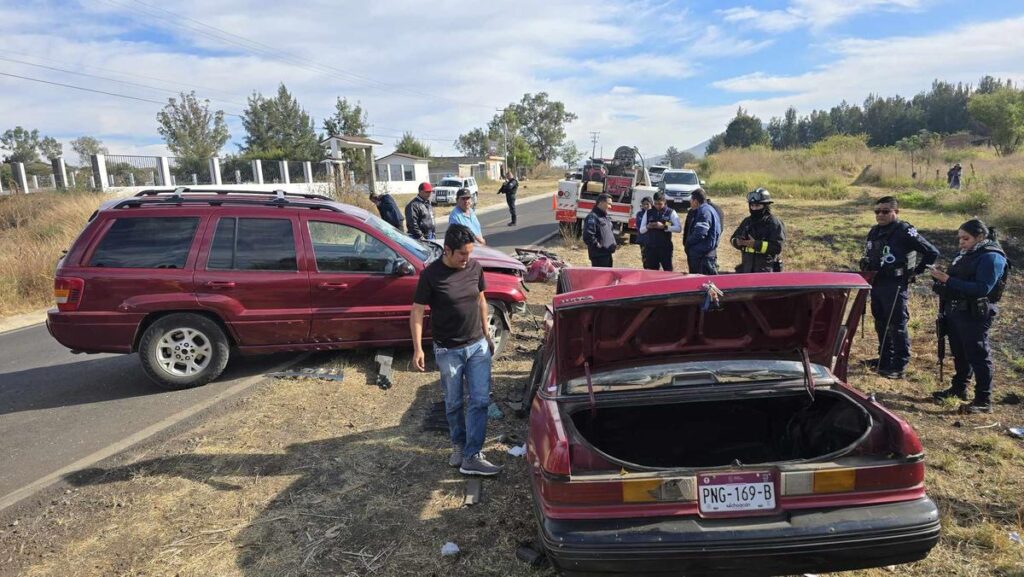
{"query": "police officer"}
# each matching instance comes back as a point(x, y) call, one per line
point(760, 236)
point(598, 234)
point(968, 294)
point(895, 252)
point(658, 224)
point(509, 188)
point(641, 238)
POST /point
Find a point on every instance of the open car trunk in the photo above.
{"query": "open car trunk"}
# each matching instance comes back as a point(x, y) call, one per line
point(782, 426)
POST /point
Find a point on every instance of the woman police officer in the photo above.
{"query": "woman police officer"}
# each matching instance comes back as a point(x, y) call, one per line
point(967, 295)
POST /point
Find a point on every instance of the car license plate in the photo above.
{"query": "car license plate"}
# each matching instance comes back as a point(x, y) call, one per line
point(735, 492)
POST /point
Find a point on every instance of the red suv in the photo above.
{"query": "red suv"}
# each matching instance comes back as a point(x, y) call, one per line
point(182, 277)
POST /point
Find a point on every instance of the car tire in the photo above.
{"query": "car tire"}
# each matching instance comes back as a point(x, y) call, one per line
point(500, 333)
point(183, 350)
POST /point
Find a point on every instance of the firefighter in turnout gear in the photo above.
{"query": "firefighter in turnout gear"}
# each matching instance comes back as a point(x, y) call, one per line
point(896, 253)
point(968, 294)
point(760, 236)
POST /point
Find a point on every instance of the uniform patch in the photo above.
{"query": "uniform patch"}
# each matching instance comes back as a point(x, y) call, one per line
point(912, 232)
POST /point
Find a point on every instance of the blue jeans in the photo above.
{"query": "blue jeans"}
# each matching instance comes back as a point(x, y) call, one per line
point(471, 365)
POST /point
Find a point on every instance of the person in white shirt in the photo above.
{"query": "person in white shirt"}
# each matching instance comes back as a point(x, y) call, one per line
point(658, 224)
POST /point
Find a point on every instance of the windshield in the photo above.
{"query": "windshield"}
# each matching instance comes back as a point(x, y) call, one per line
point(694, 373)
point(419, 249)
point(680, 178)
point(657, 169)
point(451, 182)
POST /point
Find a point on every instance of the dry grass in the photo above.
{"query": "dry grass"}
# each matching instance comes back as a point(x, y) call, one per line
point(34, 229)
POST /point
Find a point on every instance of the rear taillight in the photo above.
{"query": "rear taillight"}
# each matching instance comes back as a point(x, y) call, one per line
point(849, 480)
point(67, 292)
point(609, 492)
point(557, 461)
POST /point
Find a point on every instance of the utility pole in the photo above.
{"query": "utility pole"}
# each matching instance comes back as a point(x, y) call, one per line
point(594, 137)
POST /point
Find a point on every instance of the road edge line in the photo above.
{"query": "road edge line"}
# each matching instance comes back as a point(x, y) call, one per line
point(112, 449)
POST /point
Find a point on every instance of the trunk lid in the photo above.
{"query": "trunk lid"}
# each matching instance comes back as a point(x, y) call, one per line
point(610, 319)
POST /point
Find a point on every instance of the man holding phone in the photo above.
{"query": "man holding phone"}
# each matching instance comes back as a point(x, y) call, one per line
point(658, 224)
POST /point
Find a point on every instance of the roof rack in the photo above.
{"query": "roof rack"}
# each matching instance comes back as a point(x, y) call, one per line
point(178, 200)
point(180, 191)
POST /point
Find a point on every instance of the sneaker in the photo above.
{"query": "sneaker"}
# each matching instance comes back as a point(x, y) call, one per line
point(478, 465)
point(948, 394)
point(975, 408)
point(891, 375)
point(456, 459)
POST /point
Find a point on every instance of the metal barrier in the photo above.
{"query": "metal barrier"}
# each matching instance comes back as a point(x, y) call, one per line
point(272, 172)
point(186, 171)
point(133, 170)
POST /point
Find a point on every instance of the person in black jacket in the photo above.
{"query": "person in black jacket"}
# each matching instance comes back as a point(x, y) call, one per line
point(419, 214)
point(388, 208)
point(598, 234)
point(895, 252)
point(968, 296)
point(760, 236)
point(509, 188)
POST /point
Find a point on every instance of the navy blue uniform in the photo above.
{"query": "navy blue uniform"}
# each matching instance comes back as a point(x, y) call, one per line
point(969, 305)
point(895, 253)
point(658, 254)
point(389, 212)
point(641, 237)
point(701, 232)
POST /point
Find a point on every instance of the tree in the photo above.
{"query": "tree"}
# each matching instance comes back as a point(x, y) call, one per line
point(473, 143)
point(51, 148)
point(677, 158)
point(22, 144)
point(542, 123)
point(744, 131)
point(279, 128)
point(790, 134)
point(715, 144)
point(86, 146)
point(190, 130)
point(1002, 112)
point(410, 145)
point(570, 154)
point(350, 120)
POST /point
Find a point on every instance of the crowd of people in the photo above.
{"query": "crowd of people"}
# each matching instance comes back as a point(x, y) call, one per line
point(895, 253)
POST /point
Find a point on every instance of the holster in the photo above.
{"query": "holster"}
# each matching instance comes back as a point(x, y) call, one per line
point(978, 307)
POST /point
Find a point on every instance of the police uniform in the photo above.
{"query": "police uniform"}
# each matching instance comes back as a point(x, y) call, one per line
point(895, 253)
point(658, 250)
point(968, 298)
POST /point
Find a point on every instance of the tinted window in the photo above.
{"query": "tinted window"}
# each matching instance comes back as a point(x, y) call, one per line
point(160, 242)
point(341, 248)
point(253, 244)
point(680, 178)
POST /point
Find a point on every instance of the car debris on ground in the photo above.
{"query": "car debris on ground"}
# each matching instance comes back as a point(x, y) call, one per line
point(449, 549)
point(332, 374)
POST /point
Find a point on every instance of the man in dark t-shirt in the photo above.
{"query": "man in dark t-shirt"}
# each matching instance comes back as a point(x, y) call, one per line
point(453, 287)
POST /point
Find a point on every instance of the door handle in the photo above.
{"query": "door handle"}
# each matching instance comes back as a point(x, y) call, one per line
point(220, 284)
point(333, 286)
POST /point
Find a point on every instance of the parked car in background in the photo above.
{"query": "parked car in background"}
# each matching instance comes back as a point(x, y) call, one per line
point(184, 277)
point(446, 189)
point(657, 173)
point(678, 184)
point(669, 434)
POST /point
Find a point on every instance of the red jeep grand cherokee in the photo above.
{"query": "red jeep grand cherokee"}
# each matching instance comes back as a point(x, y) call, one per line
point(182, 276)
point(672, 437)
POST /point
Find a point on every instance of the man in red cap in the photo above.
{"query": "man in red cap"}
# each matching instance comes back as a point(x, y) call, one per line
point(419, 214)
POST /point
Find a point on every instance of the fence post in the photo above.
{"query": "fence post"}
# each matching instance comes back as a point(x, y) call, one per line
point(60, 173)
point(71, 176)
point(20, 180)
point(284, 171)
point(131, 178)
point(150, 177)
point(257, 171)
point(99, 172)
point(195, 178)
point(92, 182)
point(2, 186)
point(215, 170)
point(238, 177)
point(307, 171)
point(164, 171)
point(110, 179)
point(35, 182)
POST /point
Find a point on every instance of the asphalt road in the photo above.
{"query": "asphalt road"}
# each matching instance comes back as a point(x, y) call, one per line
point(57, 408)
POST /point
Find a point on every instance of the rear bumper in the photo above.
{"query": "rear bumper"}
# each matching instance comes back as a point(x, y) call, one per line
point(800, 542)
point(93, 332)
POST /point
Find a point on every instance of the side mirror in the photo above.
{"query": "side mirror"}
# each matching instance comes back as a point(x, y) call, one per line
point(404, 268)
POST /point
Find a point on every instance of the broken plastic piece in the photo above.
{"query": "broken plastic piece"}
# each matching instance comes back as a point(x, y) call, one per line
point(1017, 432)
point(449, 549)
point(528, 553)
point(473, 489)
point(517, 451)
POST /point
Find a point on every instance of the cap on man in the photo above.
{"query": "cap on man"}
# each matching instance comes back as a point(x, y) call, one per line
point(419, 214)
point(464, 214)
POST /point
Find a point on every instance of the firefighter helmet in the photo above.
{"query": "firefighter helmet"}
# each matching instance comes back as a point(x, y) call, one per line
point(759, 196)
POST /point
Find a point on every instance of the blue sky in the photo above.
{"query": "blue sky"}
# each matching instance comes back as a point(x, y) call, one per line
point(644, 72)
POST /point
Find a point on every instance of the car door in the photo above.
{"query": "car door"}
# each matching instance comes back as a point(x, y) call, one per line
point(249, 274)
point(362, 289)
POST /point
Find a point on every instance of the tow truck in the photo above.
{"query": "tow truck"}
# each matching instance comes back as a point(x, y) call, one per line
point(622, 177)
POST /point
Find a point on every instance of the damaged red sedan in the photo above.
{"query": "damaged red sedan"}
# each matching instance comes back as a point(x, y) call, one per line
point(680, 427)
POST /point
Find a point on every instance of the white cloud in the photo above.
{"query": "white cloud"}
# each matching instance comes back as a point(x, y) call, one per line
point(815, 14)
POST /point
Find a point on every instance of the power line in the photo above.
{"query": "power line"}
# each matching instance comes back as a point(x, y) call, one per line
point(65, 71)
point(278, 54)
point(82, 88)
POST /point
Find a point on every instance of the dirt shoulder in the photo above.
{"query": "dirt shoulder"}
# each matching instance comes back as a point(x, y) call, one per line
point(310, 477)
